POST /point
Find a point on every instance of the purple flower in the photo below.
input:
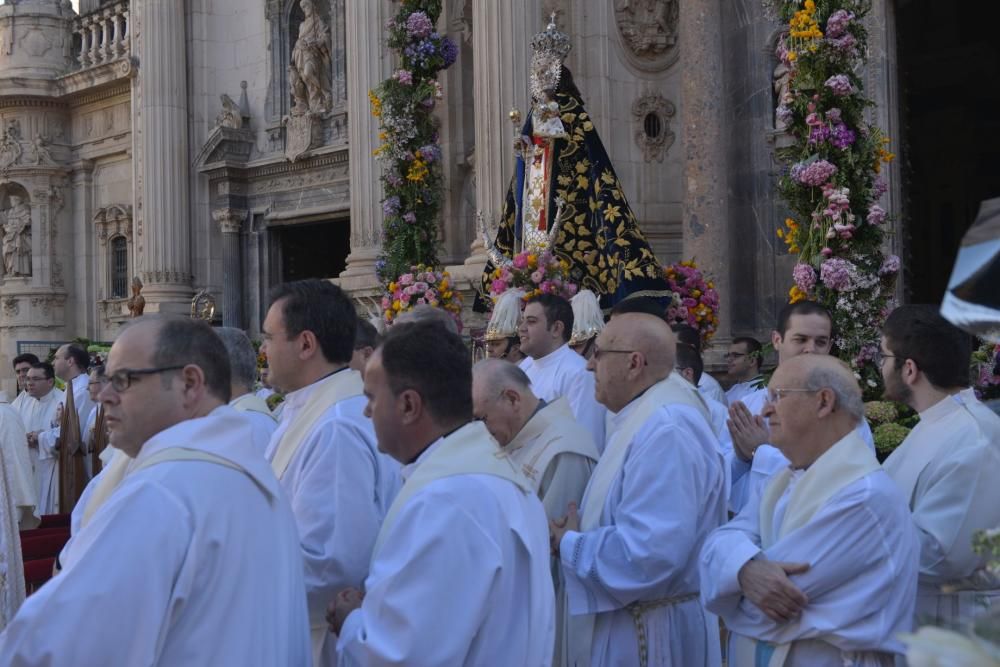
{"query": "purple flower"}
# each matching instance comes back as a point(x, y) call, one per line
point(846, 44)
point(815, 174)
point(833, 115)
point(836, 25)
point(879, 188)
point(836, 273)
point(391, 206)
point(840, 85)
point(818, 134)
point(804, 277)
point(842, 136)
point(430, 152)
point(449, 51)
point(876, 215)
point(394, 179)
point(419, 25)
point(890, 266)
point(404, 76)
point(410, 217)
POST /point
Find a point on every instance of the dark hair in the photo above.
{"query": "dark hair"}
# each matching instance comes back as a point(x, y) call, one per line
point(557, 309)
point(640, 304)
point(50, 372)
point(687, 334)
point(27, 356)
point(434, 362)
point(321, 307)
point(79, 356)
point(184, 340)
point(803, 308)
point(939, 349)
point(755, 351)
point(367, 335)
point(97, 369)
point(688, 357)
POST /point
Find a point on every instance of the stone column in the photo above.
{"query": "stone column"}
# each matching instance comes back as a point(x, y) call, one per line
point(367, 66)
point(705, 210)
point(83, 281)
point(166, 257)
point(230, 222)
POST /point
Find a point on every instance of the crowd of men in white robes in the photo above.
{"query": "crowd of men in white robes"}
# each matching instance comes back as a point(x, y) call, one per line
point(408, 507)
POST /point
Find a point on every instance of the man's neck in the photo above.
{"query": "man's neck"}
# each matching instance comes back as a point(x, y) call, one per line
point(927, 397)
point(237, 390)
point(546, 355)
point(748, 377)
point(71, 375)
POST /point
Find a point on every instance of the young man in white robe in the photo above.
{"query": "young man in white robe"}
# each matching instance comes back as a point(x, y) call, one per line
point(365, 341)
point(820, 569)
point(689, 366)
point(324, 450)
point(40, 414)
point(556, 371)
point(630, 556)
point(460, 574)
point(188, 551)
point(804, 327)
point(243, 364)
point(70, 363)
point(743, 363)
point(21, 477)
point(948, 466)
point(22, 364)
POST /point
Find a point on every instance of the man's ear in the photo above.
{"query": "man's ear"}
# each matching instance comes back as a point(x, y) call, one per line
point(193, 378)
point(308, 345)
point(775, 339)
point(411, 406)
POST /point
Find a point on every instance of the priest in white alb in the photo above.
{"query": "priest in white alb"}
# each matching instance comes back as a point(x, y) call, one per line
point(820, 569)
point(630, 556)
point(188, 552)
point(460, 574)
point(14, 484)
point(555, 370)
point(948, 466)
point(324, 450)
point(39, 412)
point(243, 363)
point(22, 364)
point(20, 477)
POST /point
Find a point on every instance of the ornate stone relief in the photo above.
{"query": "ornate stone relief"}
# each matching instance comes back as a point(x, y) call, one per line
point(230, 219)
point(18, 152)
point(309, 69)
point(16, 222)
point(114, 220)
point(11, 306)
point(648, 30)
point(652, 113)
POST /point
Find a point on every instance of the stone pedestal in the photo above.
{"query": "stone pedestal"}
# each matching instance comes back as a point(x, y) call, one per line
point(166, 256)
point(705, 211)
point(230, 221)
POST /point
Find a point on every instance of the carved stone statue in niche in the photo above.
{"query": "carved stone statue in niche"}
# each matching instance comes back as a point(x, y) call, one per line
point(10, 146)
point(649, 27)
point(37, 152)
point(137, 302)
point(230, 116)
point(16, 221)
point(781, 77)
point(309, 70)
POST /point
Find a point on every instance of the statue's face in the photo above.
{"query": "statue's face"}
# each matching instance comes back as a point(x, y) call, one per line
point(15, 200)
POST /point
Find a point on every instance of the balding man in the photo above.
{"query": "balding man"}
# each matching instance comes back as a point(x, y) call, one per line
point(243, 365)
point(657, 492)
point(821, 568)
point(205, 551)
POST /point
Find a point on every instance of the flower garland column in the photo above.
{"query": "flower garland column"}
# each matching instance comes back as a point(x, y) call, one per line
point(705, 211)
point(367, 66)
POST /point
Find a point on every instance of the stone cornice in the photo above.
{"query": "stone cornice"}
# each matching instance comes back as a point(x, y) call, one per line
point(275, 167)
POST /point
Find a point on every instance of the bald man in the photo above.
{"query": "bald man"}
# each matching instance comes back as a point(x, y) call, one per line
point(630, 557)
point(820, 569)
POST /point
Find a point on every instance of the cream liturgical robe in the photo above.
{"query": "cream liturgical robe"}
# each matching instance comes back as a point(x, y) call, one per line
point(632, 572)
point(189, 556)
point(325, 455)
point(460, 574)
point(254, 409)
point(747, 478)
point(563, 373)
point(39, 415)
point(847, 520)
point(20, 476)
point(948, 469)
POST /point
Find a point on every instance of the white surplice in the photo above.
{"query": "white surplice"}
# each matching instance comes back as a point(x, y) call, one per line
point(39, 415)
point(667, 497)
point(563, 373)
point(862, 550)
point(741, 390)
point(255, 410)
point(20, 475)
point(340, 487)
point(461, 575)
point(710, 388)
point(948, 468)
point(48, 440)
point(747, 478)
point(187, 562)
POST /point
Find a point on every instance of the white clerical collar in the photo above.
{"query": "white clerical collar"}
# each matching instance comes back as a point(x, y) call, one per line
point(409, 468)
point(942, 408)
point(618, 418)
point(552, 358)
point(296, 399)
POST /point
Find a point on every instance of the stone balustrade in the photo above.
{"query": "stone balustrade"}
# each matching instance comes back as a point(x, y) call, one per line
point(104, 34)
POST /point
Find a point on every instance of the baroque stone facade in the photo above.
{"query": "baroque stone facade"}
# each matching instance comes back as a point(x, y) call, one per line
point(230, 148)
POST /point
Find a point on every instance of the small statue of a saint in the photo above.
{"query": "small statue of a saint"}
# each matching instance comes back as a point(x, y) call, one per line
point(137, 302)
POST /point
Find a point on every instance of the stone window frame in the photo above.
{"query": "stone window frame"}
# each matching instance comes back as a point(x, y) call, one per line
point(112, 222)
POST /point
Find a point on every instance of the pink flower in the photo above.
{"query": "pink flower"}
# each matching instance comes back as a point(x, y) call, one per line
point(571, 289)
point(804, 276)
point(406, 279)
point(498, 286)
point(537, 277)
point(876, 215)
point(839, 85)
point(826, 252)
point(546, 287)
point(420, 287)
point(521, 261)
point(890, 266)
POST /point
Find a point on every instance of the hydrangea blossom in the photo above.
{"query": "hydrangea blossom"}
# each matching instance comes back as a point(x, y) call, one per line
point(840, 85)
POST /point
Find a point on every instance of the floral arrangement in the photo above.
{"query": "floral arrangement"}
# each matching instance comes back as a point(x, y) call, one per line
point(422, 285)
point(698, 303)
point(986, 371)
point(404, 104)
point(534, 273)
point(831, 181)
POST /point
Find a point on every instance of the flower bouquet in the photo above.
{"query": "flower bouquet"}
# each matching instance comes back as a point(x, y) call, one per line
point(421, 286)
point(697, 302)
point(535, 273)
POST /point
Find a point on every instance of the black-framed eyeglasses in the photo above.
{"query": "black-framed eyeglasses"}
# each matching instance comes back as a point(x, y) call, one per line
point(881, 356)
point(122, 379)
point(775, 395)
point(734, 355)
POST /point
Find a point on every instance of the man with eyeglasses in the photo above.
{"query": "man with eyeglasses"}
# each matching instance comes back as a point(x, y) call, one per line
point(804, 328)
point(630, 556)
point(40, 414)
point(743, 362)
point(820, 569)
point(948, 465)
point(22, 364)
point(187, 550)
point(324, 450)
